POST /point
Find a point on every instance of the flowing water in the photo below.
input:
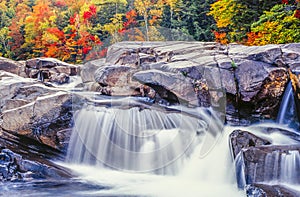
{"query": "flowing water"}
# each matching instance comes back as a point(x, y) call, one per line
point(133, 150)
point(125, 147)
point(287, 111)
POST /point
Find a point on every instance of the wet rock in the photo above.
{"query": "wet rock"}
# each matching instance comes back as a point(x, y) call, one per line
point(264, 190)
point(10, 85)
point(39, 118)
point(295, 79)
point(242, 139)
point(250, 76)
point(267, 100)
point(32, 109)
point(267, 163)
point(14, 168)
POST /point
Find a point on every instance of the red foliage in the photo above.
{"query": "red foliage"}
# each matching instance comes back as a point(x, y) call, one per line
point(131, 14)
point(73, 18)
point(297, 14)
point(93, 9)
point(284, 1)
point(252, 36)
point(86, 50)
point(87, 15)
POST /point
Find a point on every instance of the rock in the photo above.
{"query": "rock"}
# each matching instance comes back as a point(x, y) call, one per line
point(11, 66)
point(10, 85)
point(59, 78)
point(88, 70)
point(116, 81)
point(267, 100)
point(113, 75)
point(14, 168)
point(269, 54)
point(291, 55)
point(242, 139)
point(264, 190)
point(170, 86)
point(250, 76)
point(40, 119)
point(46, 69)
point(295, 79)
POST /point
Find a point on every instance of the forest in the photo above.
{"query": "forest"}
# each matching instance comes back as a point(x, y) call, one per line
point(76, 30)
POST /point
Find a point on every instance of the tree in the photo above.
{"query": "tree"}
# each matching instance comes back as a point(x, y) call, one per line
point(190, 17)
point(277, 26)
point(235, 17)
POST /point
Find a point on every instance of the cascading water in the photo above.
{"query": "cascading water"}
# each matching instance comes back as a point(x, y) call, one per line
point(137, 139)
point(287, 111)
point(181, 151)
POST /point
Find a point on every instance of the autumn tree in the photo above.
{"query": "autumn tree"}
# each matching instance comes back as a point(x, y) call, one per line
point(277, 26)
point(234, 18)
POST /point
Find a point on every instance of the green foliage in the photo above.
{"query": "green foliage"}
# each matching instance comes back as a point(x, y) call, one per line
point(191, 17)
point(277, 26)
point(235, 17)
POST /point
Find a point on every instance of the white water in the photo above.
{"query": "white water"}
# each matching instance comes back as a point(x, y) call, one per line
point(138, 140)
point(135, 150)
point(209, 176)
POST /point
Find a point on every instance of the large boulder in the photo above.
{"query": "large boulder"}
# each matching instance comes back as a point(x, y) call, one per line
point(40, 119)
point(253, 78)
point(31, 109)
point(269, 163)
point(261, 159)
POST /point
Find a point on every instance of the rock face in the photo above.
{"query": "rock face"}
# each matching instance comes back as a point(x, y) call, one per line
point(32, 109)
point(253, 78)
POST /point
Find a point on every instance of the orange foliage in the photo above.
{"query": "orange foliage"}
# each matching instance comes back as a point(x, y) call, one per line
point(221, 37)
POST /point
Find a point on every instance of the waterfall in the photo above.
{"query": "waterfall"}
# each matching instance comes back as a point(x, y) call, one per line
point(140, 139)
point(287, 111)
point(290, 167)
